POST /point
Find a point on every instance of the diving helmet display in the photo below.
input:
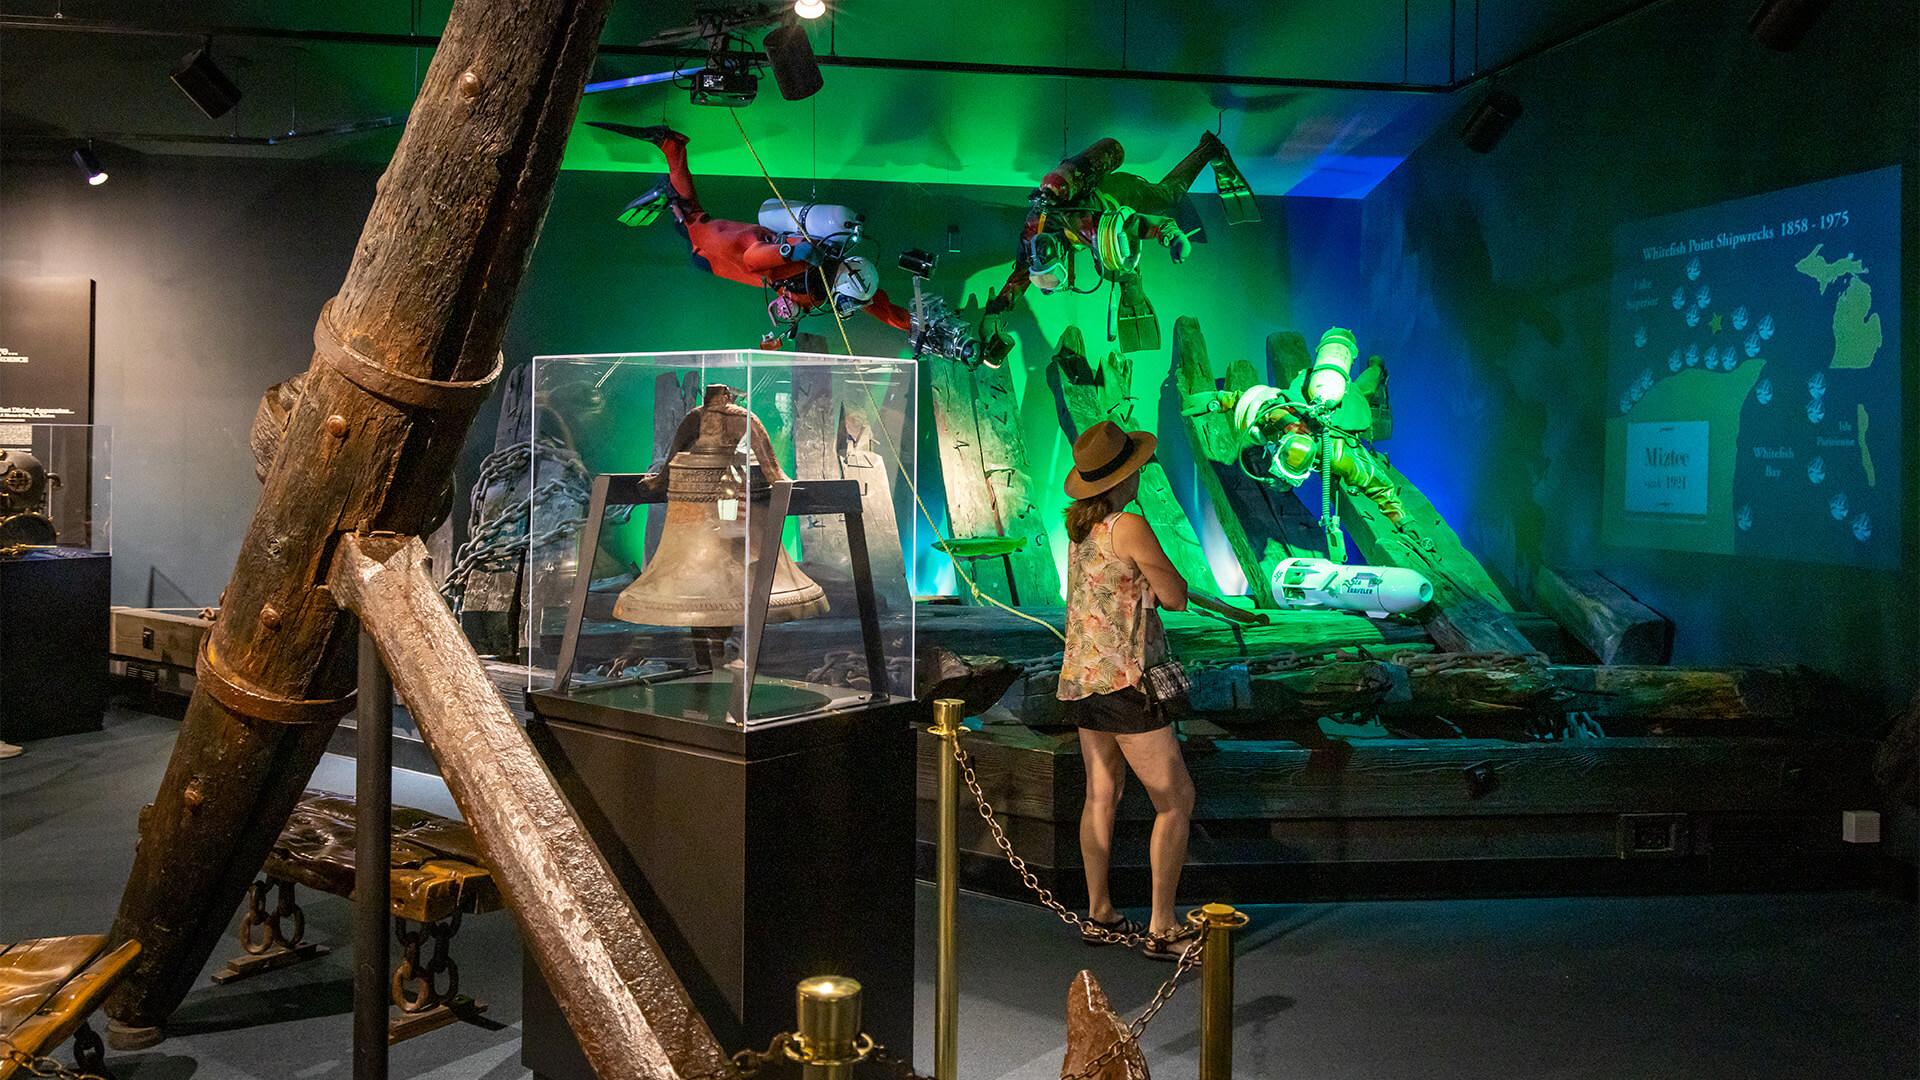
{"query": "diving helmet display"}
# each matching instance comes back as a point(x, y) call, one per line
point(721, 458)
point(24, 483)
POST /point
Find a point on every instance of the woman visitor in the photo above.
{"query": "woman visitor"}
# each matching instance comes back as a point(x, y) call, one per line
point(1117, 575)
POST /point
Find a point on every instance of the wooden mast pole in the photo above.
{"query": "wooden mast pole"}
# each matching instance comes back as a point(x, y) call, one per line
point(404, 353)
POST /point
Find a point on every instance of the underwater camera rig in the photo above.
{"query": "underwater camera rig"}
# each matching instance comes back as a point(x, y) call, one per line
point(937, 330)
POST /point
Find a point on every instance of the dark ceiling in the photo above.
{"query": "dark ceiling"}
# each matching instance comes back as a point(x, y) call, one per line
point(1315, 97)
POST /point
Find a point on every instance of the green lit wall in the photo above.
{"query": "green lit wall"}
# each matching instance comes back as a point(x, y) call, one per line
point(597, 286)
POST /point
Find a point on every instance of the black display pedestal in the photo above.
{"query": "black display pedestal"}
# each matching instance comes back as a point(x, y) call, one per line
point(757, 858)
point(54, 622)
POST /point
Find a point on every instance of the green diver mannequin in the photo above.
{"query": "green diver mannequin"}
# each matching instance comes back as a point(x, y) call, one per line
point(1317, 421)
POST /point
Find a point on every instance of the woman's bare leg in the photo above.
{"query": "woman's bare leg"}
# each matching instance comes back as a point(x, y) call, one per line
point(1155, 759)
point(1106, 779)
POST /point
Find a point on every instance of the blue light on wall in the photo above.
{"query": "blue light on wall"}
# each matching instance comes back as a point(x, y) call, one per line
point(1344, 176)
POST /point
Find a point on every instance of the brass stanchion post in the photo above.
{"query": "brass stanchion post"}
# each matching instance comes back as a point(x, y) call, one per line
point(947, 716)
point(1217, 922)
point(827, 1027)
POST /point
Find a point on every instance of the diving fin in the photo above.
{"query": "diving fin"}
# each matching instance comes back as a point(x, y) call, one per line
point(1137, 328)
point(1236, 195)
point(642, 211)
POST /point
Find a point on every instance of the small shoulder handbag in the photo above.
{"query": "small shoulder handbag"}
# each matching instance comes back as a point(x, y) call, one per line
point(1165, 684)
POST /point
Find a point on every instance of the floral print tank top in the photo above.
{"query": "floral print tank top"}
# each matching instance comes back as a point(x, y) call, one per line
point(1113, 635)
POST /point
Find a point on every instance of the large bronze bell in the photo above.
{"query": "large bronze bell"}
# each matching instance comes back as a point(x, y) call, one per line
point(698, 574)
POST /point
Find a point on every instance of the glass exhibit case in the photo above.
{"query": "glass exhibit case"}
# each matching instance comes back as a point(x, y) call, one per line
point(720, 536)
point(54, 483)
point(722, 646)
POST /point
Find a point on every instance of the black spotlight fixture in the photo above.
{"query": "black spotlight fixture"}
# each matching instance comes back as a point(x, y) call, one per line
point(1780, 24)
point(1490, 120)
point(88, 163)
point(205, 84)
point(919, 262)
point(794, 66)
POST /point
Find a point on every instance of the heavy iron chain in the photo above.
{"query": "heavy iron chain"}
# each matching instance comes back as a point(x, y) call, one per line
point(496, 543)
point(1027, 876)
point(786, 1049)
point(274, 935)
point(1189, 957)
point(41, 1065)
point(416, 982)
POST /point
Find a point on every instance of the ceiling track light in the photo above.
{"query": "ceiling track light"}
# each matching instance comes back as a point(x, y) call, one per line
point(1780, 24)
point(1490, 121)
point(205, 84)
point(88, 163)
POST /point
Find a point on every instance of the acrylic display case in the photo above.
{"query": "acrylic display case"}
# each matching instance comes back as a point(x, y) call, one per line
point(718, 592)
point(54, 486)
point(766, 582)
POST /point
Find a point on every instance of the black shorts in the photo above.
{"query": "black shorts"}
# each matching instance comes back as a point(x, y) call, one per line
point(1123, 712)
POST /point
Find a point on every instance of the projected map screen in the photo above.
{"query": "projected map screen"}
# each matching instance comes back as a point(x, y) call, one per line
point(1754, 377)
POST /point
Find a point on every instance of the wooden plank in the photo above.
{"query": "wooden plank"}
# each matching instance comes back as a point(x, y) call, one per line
point(1468, 613)
point(1397, 778)
point(823, 544)
point(836, 436)
point(1756, 695)
point(427, 296)
point(1262, 526)
point(673, 398)
point(625, 1004)
point(1287, 356)
point(69, 1006)
point(1007, 468)
point(175, 635)
point(1191, 637)
point(1432, 540)
point(1343, 840)
point(1603, 617)
point(864, 461)
point(971, 511)
point(31, 971)
point(1088, 397)
point(984, 467)
point(1017, 767)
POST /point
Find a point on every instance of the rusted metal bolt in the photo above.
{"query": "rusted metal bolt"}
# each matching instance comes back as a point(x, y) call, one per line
point(469, 85)
point(270, 617)
point(337, 426)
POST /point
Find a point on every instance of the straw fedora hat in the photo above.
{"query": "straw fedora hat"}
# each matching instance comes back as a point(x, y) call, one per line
point(1104, 455)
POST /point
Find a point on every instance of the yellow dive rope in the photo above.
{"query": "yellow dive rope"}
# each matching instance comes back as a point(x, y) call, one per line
point(894, 450)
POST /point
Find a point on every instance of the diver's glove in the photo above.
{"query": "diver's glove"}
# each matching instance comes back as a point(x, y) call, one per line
point(1178, 243)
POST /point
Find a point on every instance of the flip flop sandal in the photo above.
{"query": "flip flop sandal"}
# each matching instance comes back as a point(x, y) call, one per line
point(1121, 926)
point(1168, 946)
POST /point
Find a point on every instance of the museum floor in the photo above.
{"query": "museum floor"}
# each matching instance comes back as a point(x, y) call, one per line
point(1753, 986)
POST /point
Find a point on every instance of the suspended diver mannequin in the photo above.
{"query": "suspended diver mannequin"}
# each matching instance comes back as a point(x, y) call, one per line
point(1318, 421)
point(801, 255)
point(1085, 202)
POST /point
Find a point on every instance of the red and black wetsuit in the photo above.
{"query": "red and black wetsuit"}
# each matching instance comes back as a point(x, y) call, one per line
point(749, 253)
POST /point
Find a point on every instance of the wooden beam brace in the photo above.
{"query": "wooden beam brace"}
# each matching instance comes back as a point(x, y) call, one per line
point(625, 1004)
